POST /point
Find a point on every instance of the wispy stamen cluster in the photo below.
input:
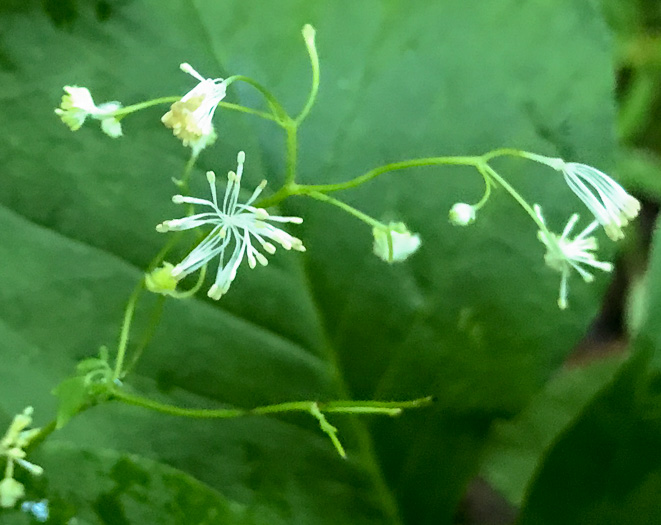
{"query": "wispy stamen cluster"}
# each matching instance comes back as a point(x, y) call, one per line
point(242, 225)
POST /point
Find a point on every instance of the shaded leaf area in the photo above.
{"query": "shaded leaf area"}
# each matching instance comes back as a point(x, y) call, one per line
point(472, 318)
point(606, 469)
point(263, 461)
point(519, 445)
point(108, 487)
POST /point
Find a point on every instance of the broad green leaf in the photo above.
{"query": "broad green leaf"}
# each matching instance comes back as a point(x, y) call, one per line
point(606, 469)
point(111, 487)
point(519, 446)
point(471, 318)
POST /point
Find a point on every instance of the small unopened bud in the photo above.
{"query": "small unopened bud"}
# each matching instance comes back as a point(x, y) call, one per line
point(462, 214)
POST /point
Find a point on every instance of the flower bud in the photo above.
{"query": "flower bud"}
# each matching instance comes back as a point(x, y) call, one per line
point(462, 214)
point(395, 244)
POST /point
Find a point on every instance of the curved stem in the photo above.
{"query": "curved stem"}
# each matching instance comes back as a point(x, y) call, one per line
point(292, 153)
point(279, 112)
point(148, 334)
point(308, 35)
point(122, 112)
point(250, 111)
point(349, 209)
point(487, 188)
point(126, 328)
point(517, 197)
point(390, 408)
point(372, 174)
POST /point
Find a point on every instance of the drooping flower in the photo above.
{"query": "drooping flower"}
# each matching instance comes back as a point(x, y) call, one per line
point(462, 214)
point(610, 204)
point(190, 118)
point(241, 225)
point(78, 104)
point(12, 447)
point(564, 253)
point(396, 244)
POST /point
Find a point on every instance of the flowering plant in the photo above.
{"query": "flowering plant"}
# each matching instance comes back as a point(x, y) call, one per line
point(224, 355)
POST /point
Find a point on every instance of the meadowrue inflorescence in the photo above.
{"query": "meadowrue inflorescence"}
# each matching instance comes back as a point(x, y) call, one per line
point(12, 448)
point(232, 223)
point(396, 244)
point(191, 117)
point(564, 253)
point(610, 204)
point(78, 104)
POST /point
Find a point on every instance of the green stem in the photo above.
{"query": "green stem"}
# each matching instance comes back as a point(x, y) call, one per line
point(389, 408)
point(349, 209)
point(250, 111)
point(122, 112)
point(405, 164)
point(135, 295)
point(487, 189)
point(308, 35)
point(126, 328)
point(148, 334)
point(292, 152)
point(279, 112)
point(517, 197)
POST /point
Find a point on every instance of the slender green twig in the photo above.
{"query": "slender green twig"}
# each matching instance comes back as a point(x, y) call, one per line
point(292, 153)
point(308, 36)
point(122, 112)
point(344, 206)
point(389, 408)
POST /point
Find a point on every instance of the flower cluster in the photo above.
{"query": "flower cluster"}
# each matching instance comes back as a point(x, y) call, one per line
point(191, 117)
point(78, 104)
point(242, 226)
point(564, 253)
point(612, 208)
point(12, 447)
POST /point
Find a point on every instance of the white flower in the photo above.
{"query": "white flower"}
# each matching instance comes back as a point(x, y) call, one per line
point(12, 448)
point(232, 223)
point(462, 214)
point(563, 253)
point(606, 199)
point(190, 118)
point(77, 104)
point(401, 245)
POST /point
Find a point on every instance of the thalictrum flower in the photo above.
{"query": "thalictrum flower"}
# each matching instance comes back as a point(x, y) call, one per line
point(241, 225)
point(191, 117)
point(12, 447)
point(610, 204)
point(564, 253)
point(401, 245)
point(77, 104)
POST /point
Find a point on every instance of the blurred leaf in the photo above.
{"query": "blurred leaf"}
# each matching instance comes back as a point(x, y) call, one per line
point(107, 487)
point(72, 395)
point(640, 171)
point(472, 318)
point(607, 468)
point(518, 446)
